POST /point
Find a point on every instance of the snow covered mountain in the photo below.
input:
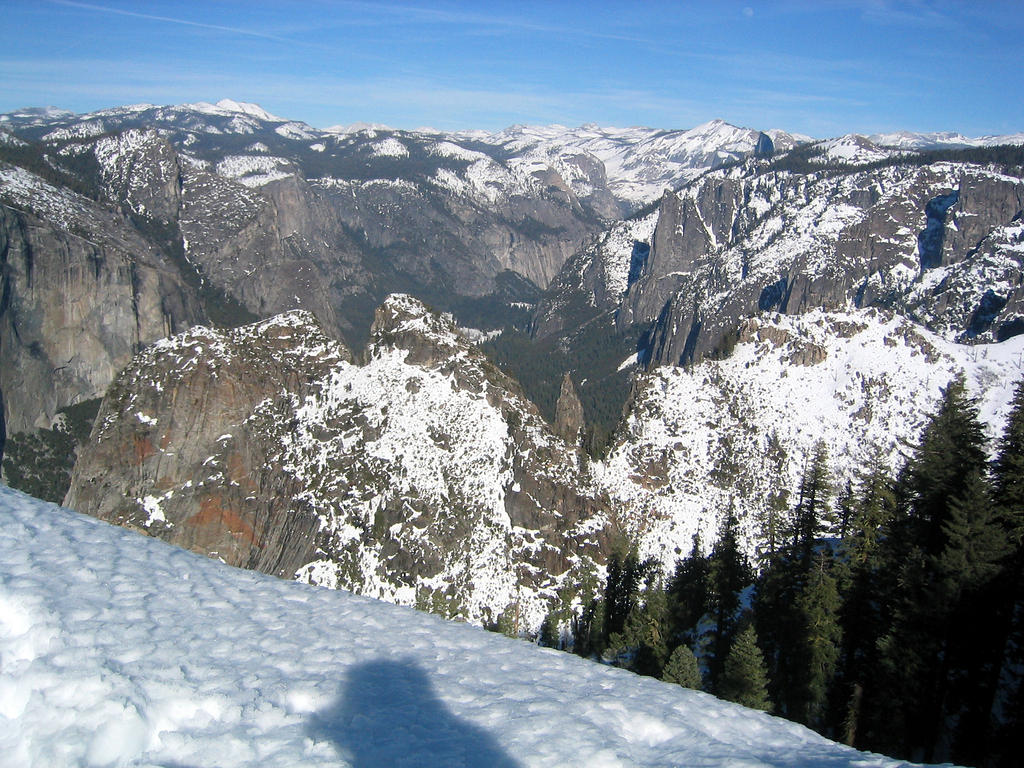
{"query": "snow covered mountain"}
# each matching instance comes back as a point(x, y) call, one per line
point(118, 650)
point(941, 139)
point(939, 242)
point(773, 304)
point(640, 163)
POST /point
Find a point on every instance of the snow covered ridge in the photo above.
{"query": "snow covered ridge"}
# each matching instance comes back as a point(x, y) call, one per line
point(634, 165)
point(25, 190)
point(613, 169)
point(423, 476)
point(739, 430)
point(118, 650)
point(254, 170)
point(231, 107)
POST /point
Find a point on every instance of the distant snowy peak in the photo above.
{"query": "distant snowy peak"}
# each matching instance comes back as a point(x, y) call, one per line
point(941, 140)
point(640, 163)
point(229, 106)
point(853, 149)
point(857, 149)
point(357, 128)
point(36, 115)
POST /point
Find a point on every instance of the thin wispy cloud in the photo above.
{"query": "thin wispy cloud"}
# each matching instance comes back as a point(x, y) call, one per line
point(410, 14)
point(172, 20)
point(915, 14)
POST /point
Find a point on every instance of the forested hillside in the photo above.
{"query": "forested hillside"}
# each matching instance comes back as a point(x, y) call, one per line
point(885, 613)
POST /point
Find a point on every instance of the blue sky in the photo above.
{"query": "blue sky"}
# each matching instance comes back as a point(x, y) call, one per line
point(816, 67)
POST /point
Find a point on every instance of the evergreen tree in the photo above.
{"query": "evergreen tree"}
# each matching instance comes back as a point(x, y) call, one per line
point(845, 505)
point(682, 668)
point(744, 679)
point(967, 571)
point(1008, 469)
point(729, 573)
point(550, 631)
point(780, 622)
point(872, 509)
point(812, 509)
point(916, 699)
point(1007, 711)
point(585, 626)
point(952, 449)
point(687, 592)
point(588, 629)
point(864, 586)
point(652, 648)
point(778, 501)
point(818, 651)
point(621, 589)
point(642, 645)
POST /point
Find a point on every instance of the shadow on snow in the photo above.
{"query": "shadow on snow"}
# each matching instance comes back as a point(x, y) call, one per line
point(389, 715)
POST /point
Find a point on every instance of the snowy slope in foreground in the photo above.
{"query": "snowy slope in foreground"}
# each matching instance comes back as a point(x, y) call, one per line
point(117, 649)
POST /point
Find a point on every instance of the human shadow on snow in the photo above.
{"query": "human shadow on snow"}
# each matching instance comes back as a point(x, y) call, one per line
point(388, 714)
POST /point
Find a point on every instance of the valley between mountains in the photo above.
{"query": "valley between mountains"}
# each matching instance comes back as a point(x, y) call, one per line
point(477, 373)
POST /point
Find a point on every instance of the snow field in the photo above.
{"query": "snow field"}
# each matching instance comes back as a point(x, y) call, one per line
point(116, 650)
point(876, 383)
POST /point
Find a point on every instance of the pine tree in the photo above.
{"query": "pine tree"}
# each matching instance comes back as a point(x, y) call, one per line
point(621, 589)
point(1008, 469)
point(863, 612)
point(967, 571)
point(915, 699)
point(818, 651)
point(652, 649)
point(744, 679)
point(781, 583)
point(873, 506)
point(952, 449)
point(687, 592)
point(1007, 712)
point(845, 504)
point(682, 668)
point(813, 506)
point(777, 501)
point(729, 574)
point(550, 631)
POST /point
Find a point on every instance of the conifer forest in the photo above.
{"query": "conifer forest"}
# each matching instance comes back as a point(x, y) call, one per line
point(902, 632)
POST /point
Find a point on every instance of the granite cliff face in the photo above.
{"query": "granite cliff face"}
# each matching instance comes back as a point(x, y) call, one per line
point(939, 243)
point(422, 476)
point(898, 237)
point(82, 291)
point(175, 450)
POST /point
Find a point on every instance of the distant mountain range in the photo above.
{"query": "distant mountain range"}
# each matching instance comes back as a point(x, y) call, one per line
point(676, 318)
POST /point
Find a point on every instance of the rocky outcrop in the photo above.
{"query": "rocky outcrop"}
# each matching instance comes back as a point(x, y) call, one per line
point(142, 172)
point(569, 422)
point(177, 453)
point(422, 476)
